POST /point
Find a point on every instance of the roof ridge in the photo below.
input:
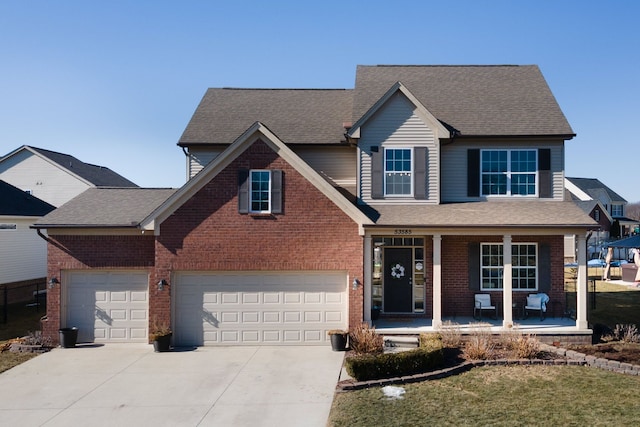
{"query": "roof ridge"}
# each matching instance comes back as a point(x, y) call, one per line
point(282, 89)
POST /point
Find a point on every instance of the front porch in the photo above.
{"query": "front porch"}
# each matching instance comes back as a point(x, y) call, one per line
point(559, 330)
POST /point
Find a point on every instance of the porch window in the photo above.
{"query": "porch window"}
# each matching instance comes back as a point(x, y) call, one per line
point(524, 266)
point(509, 172)
point(398, 168)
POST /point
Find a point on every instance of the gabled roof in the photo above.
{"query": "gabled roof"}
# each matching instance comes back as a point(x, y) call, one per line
point(440, 130)
point(498, 100)
point(98, 176)
point(297, 116)
point(249, 136)
point(106, 207)
point(588, 206)
point(591, 188)
point(15, 202)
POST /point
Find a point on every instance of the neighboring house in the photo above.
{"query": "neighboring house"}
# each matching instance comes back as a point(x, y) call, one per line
point(23, 254)
point(306, 208)
point(605, 206)
point(54, 177)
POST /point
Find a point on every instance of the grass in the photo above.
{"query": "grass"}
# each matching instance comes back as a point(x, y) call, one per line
point(514, 395)
point(21, 320)
point(500, 396)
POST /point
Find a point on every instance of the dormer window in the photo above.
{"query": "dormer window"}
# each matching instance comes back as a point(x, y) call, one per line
point(509, 172)
point(398, 172)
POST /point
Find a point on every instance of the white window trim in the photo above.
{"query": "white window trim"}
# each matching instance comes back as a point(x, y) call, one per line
point(501, 268)
point(509, 173)
point(384, 173)
point(251, 171)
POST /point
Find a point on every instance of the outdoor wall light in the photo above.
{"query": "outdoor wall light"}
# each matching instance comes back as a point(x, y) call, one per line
point(53, 281)
point(355, 284)
point(161, 284)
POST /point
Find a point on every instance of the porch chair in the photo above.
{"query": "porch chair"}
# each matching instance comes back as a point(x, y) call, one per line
point(536, 302)
point(483, 302)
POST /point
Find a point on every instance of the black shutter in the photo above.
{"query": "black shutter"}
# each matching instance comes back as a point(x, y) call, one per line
point(243, 191)
point(545, 186)
point(544, 267)
point(473, 173)
point(276, 191)
point(474, 266)
point(420, 173)
point(377, 174)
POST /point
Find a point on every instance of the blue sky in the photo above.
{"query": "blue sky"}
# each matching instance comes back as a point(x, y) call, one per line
point(115, 82)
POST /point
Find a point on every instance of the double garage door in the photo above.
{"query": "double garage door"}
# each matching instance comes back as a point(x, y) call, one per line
point(108, 306)
point(254, 308)
point(211, 308)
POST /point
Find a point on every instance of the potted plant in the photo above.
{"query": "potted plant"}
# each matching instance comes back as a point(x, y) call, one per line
point(338, 339)
point(160, 335)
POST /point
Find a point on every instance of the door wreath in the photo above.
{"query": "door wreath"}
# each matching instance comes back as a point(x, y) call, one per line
point(397, 271)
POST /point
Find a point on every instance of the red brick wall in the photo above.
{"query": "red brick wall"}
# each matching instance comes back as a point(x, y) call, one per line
point(208, 234)
point(91, 252)
point(456, 295)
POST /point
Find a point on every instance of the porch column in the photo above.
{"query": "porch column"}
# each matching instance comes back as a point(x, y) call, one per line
point(368, 267)
point(507, 285)
point(581, 286)
point(437, 281)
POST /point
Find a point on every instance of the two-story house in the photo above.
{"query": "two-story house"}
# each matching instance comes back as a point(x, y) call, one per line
point(305, 209)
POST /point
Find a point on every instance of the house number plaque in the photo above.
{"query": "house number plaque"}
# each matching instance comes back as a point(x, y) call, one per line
point(402, 231)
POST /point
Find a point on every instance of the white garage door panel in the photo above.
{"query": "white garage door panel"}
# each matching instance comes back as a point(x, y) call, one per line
point(108, 306)
point(258, 308)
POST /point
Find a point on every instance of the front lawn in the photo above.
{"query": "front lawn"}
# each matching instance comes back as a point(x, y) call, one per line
point(506, 395)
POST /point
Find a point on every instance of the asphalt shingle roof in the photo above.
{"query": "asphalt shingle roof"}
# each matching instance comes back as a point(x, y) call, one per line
point(532, 213)
point(593, 186)
point(15, 202)
point(107, 207)
point(491, 100)
point(296, 116)
point(100, 176)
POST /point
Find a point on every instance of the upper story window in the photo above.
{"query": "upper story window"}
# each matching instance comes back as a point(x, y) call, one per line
point(260, 191)
point(398, 172)
point(509, 172)
point(616, 210)
point(4, 226)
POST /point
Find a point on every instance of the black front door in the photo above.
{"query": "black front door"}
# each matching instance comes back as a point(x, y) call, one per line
point(397, 280)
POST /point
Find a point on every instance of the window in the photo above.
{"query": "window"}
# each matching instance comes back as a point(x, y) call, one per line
point(8, 226)
point(616, 210)
point(509, 172)
point(398, 168)
point(524, 266)
point(260, 191)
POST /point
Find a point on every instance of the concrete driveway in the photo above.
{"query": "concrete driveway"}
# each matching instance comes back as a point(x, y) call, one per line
point(129, 384)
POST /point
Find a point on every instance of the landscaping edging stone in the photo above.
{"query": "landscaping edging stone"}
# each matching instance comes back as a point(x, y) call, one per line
point(572, 358)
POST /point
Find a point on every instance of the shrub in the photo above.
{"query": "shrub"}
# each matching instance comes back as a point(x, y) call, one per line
point(370, 367)
point(480, 344)
point(626, 333)
point(451, 334)
point(365, 340)
point(526, 347)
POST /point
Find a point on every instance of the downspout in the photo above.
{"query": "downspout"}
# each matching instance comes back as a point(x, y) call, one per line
point(188, 169)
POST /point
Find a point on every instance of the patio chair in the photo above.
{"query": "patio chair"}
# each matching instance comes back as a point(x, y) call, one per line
point(483, 302)
point(536, 302)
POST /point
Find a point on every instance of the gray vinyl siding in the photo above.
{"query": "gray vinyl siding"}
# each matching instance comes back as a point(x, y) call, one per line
point(199, 158)
point(22, 251)
point(454, 167)
point(337, 164)
point(397, 124)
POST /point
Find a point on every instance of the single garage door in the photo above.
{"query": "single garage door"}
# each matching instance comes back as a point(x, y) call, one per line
point(256, 308)
point(108, 306)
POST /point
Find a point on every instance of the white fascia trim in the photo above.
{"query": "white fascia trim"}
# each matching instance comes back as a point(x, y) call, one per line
point(576, 191)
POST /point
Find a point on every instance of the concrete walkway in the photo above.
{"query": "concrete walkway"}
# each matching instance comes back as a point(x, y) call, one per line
point(130, 385)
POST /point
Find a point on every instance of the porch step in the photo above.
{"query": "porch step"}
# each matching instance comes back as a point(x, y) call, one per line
point(400, 341)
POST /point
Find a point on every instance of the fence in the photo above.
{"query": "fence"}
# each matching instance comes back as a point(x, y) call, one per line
point(31, 294)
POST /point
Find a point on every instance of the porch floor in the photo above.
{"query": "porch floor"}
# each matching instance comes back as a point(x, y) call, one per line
point(531, 325)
